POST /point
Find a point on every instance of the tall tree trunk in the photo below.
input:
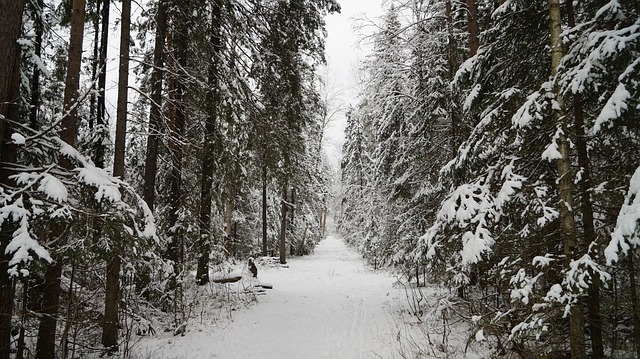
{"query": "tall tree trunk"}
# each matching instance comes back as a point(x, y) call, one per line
point(34, 104)
point(635, 304)
point(565, 183)
point(112, 286)
point(593, 295)
point(69, 132)
point(213, 114)
point(94, 66)
point(472, 27)
point(45, 347)
point(283, 225)
point(264, 210)
point(101, 121)
point(229, 190)
point(586, 208)
point(452, 67)
point(155, 113)
point(291, 209)
point(21, 346)
point(176, 127)
point(155, 119)
point(10, 31)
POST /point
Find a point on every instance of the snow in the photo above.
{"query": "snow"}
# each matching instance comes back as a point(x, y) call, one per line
point(613, 109)
point(627, 230)
point(613, 7)
point(471, 97)
point(53, 188)
point(328, 305)
point(552, 152)
point(18, 139)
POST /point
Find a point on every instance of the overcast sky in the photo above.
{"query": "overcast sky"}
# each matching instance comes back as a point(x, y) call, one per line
point(345, 50)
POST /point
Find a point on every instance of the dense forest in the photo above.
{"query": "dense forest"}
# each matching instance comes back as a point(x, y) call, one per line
point(216, 156)
point(495, 150)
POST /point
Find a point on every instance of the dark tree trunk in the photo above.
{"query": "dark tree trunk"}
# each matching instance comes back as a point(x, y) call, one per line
point(452, 67)
point(69, 131)
point(155, 113)
point(635, 304)
point(112, 288)
point(283, 225)
point(101, 121)
point(472, 27)
point(213, 113)
point(10, 31)
point(264, 210)
point(21, 346)
point(593, 296)
point(586, 208)
point(34, 103)
point(112, 295)
point(46, 346)
point(176, 128)
point(94, 66)
point(155, 120)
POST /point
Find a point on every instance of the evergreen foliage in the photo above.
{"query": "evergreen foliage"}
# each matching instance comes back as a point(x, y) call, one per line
point(450, 175)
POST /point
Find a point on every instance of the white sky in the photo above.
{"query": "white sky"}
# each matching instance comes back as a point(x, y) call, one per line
point(345, 49)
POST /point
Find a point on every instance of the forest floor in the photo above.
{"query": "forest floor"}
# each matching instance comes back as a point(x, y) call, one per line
point(324, 305)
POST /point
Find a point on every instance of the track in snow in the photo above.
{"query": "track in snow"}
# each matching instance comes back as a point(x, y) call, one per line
point(325, 305)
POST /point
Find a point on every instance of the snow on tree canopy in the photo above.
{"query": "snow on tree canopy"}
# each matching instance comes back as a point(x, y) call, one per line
point(22, 243)
point(552, 152)
point(613, 109)
point(99, 178)
point(627, 231)
point(53, 188)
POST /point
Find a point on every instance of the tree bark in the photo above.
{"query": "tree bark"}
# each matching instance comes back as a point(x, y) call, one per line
point(229, 191)
point(46, 346)
point(34, 104)
point(452, 67)
point(101, 120)
point(10, 31)
point(264, 210)
point(635, 304)
point(155, 113)
point(155, 119)
point(112, 286)
point(593, 295)
point(213, 114)
point(283, 225)
point(472, 27)
point(94, 66)
point(177, 119)
point(565, 183)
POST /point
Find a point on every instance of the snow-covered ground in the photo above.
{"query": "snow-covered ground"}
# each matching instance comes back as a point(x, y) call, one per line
point(325, 305)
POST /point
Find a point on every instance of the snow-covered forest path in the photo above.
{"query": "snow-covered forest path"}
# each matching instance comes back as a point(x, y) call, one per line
point(325, 305)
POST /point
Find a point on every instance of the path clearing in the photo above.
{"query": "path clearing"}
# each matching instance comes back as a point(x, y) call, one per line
point(326, 305)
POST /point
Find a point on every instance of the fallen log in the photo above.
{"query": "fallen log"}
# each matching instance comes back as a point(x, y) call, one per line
point(223, 280)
